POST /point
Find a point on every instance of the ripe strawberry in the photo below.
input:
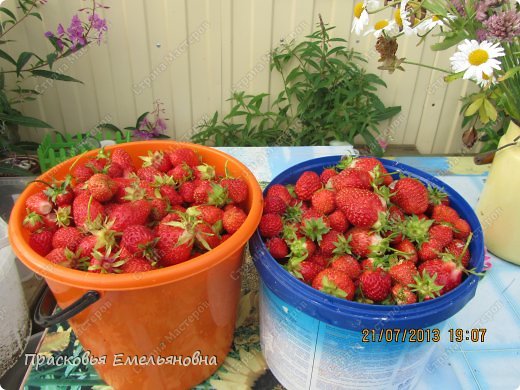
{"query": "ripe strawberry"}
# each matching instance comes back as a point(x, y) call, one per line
point(334, 282)
point(148, 174)
point(139, 241)
point(86, 209)
point(361, 207)
point(375, 167)
point(429, 250)
point(320, 259)
point(233, 218)
point(314, 228)
point(39, 203)
point(58, 219)
point(236, 188)
point(280, 191)
point(395, 214)
point(410, 195)
point(408, 248)
point(114, 170)
point(442, 213)
point(334, 243)
point(338, 221)
point(274, 204)
point(205, 237)
point(158, 160)
point(210, 193)
point(375, 284)
point(352, 178)
point(122, 158)
point(403, 273)
point(187, 190)
point(461, 229)
point(367, 264)
point(308, 183)
point(136, 264)
point(277, 247)
point(403, 295)
point(184, 155)
point(86, 246)
point(456, 247)
point(441, 233)
point(181, 173)
point(82, 172)
point(271, 225)
point(67, 237)
point(306, 271)
point(439, 274)
point(127, 214)
point(209, 214)
point(105, 261)
point(158, 209)
point(101, 187)
point(60, 194)
point(58, 256)
point(41, 242)
point(323, 201)
point(347, 264)
point(169, 193)
point(33, 221)
point(365, 242)
point(174, 245)
point(327, 174)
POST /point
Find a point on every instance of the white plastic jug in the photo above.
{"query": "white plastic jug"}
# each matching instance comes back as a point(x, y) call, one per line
point(15, 327)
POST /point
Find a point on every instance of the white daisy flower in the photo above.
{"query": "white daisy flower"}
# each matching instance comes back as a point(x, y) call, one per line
point(402, 18)
point(487, 81)
point(476, 59)
point(431, 22)
point(361, 14)
point(389, 27)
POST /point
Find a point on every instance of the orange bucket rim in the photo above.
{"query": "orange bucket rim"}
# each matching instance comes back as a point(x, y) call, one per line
point(133, 281)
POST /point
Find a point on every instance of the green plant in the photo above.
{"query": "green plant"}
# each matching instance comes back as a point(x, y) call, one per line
point(14, 72)
point(327, 96)
point(487, 36)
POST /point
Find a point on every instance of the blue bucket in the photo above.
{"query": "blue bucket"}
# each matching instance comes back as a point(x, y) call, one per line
point(314, 340)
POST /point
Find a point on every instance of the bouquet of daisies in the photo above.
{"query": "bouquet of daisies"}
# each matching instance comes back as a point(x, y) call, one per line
point(485, 32)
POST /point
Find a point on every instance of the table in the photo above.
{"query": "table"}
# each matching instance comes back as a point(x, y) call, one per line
point(494, 364)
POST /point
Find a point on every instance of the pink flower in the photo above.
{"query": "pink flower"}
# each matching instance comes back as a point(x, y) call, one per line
point(487, 260)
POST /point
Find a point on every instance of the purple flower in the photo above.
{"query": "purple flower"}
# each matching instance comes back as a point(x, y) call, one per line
point(49, 34)
point(160, 125)
point(481, 35)
point(60, 30)
point(98, 23)
point(143, 135)
point(504, 26)
point(75, 32)
point(459, 7)
point(487, 260)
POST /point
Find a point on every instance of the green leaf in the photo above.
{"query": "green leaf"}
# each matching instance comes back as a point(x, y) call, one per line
point(387, 113)
point(110, 126)
point(36, 15)
point(54, 75)
point(2, 80)
point(138, 122)
point(23, 59)
point(7, 57)
point(491, 111)
point(8, 12)
point(23, 120)
point(453, 76)
point(51, 57)
point(448, 42)
point(474, 107)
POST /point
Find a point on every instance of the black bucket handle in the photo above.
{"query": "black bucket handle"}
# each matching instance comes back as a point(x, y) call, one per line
point(47, 303)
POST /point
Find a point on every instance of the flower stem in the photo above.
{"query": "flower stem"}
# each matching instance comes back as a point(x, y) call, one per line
point(427, 66)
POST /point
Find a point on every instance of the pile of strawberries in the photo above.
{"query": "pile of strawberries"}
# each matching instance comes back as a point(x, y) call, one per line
point(354, 232)
point(111, 216)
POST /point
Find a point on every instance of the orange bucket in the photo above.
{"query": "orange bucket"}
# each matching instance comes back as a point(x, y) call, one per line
point(166, 328)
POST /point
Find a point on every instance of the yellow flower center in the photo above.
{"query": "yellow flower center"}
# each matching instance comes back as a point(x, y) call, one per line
point(381, 24)
point(435, 18)
point(485, 76)
point(358, 10)
point(478, 57)
point(397, 17)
